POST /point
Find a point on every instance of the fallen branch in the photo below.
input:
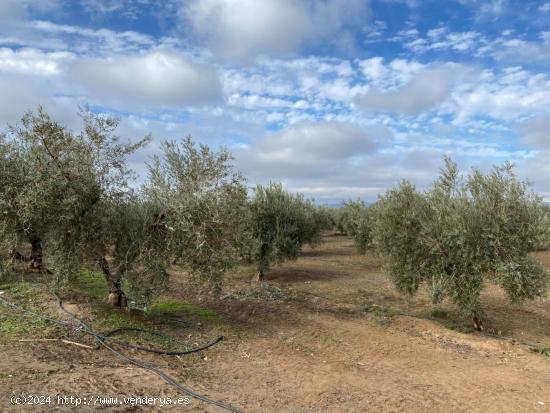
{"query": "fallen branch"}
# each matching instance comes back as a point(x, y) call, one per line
point(38, 340)
point(76, 344)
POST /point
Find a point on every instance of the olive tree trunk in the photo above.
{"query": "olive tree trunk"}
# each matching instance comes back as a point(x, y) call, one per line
point(478, 325)
point(262, 264)
point(116, 297)
point(258, 277)
point(36, 260)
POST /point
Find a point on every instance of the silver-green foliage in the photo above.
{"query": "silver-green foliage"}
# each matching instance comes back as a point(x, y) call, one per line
point(70, 192)
point(200, 201)
point(542, 241)
point(278, 224)
point(355, 221)
point(458, 234)
point(56, 187)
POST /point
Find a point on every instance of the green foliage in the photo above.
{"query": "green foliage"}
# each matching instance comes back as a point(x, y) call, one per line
point(175, 308)
point(67, 195)
point(542, 240)
point(278, 224)
point(354, 220)
point(13, 324)
point(57, 189)
point(459, 233)
point(264, 292)
point(545, 351)
point(200, 202)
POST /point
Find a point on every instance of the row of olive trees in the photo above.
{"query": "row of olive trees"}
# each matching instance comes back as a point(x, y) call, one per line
point(277, 225)
point(68, 197)
point(354, 219)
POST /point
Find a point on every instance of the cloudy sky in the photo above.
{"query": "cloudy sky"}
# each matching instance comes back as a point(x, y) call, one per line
point(335, 98)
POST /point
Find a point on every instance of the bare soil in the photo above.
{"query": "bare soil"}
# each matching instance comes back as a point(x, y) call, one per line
point(333, 345)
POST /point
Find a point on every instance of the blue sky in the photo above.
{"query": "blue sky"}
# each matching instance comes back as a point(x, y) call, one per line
point(335, 98)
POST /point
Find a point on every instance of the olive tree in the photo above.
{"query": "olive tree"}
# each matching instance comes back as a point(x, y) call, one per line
point(543, 239)
point(277, 225)
point(461, 233)
point(58, 189)
point(200, 199)
point(67, 195)
point(354, 220)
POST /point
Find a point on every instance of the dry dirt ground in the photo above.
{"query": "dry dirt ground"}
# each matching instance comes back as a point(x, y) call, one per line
point(326, 335)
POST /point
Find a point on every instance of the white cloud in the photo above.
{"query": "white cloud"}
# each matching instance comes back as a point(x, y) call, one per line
point(488, 9)
point(440, 39)
point(21, 93)
point(373, 68)
point(507, 95)
point(310, 150)
point(319, 159)
point(536, 131)
point(13, 12)
point(249, 28)
point(33, 61)
point(154, 78)
point(423, 92)
point(545, 7)
point(312, 143)
point(102, 39)
point(519, 50)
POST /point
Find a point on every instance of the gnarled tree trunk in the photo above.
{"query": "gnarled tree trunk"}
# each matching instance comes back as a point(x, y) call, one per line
point(478, 325)
point(36, 260)
point(116, 297)
point(258, 277)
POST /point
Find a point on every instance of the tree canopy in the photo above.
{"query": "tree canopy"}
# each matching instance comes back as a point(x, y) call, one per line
point(460, 233)
point(278, 224)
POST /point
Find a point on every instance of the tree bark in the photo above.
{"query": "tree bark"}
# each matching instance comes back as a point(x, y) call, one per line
point(478, 325)
point(36, 259)
point(116, 297)
point(258, 277)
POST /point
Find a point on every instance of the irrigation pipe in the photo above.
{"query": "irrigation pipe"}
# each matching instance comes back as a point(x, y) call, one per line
point(102, 341)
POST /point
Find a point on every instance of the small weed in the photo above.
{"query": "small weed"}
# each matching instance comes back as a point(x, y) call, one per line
point(265, 292)
point(545, 351)
point(439, 313)
point(3, 376)
point(375, 309)
point(91, 284)
point(329, 340)
point(447, 319)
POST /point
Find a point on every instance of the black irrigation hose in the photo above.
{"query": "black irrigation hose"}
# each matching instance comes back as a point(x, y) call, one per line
point(108, 336)
point(101, 340)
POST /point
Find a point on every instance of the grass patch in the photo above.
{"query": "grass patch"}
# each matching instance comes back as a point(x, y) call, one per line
point(168, 307)
point(264, 292)
point(329, 340)
point(15, 325)
point(3, 376)
point(545, 351)
point(447, 319)
point(439, 313)
point(108, 319)
point(90, 284)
